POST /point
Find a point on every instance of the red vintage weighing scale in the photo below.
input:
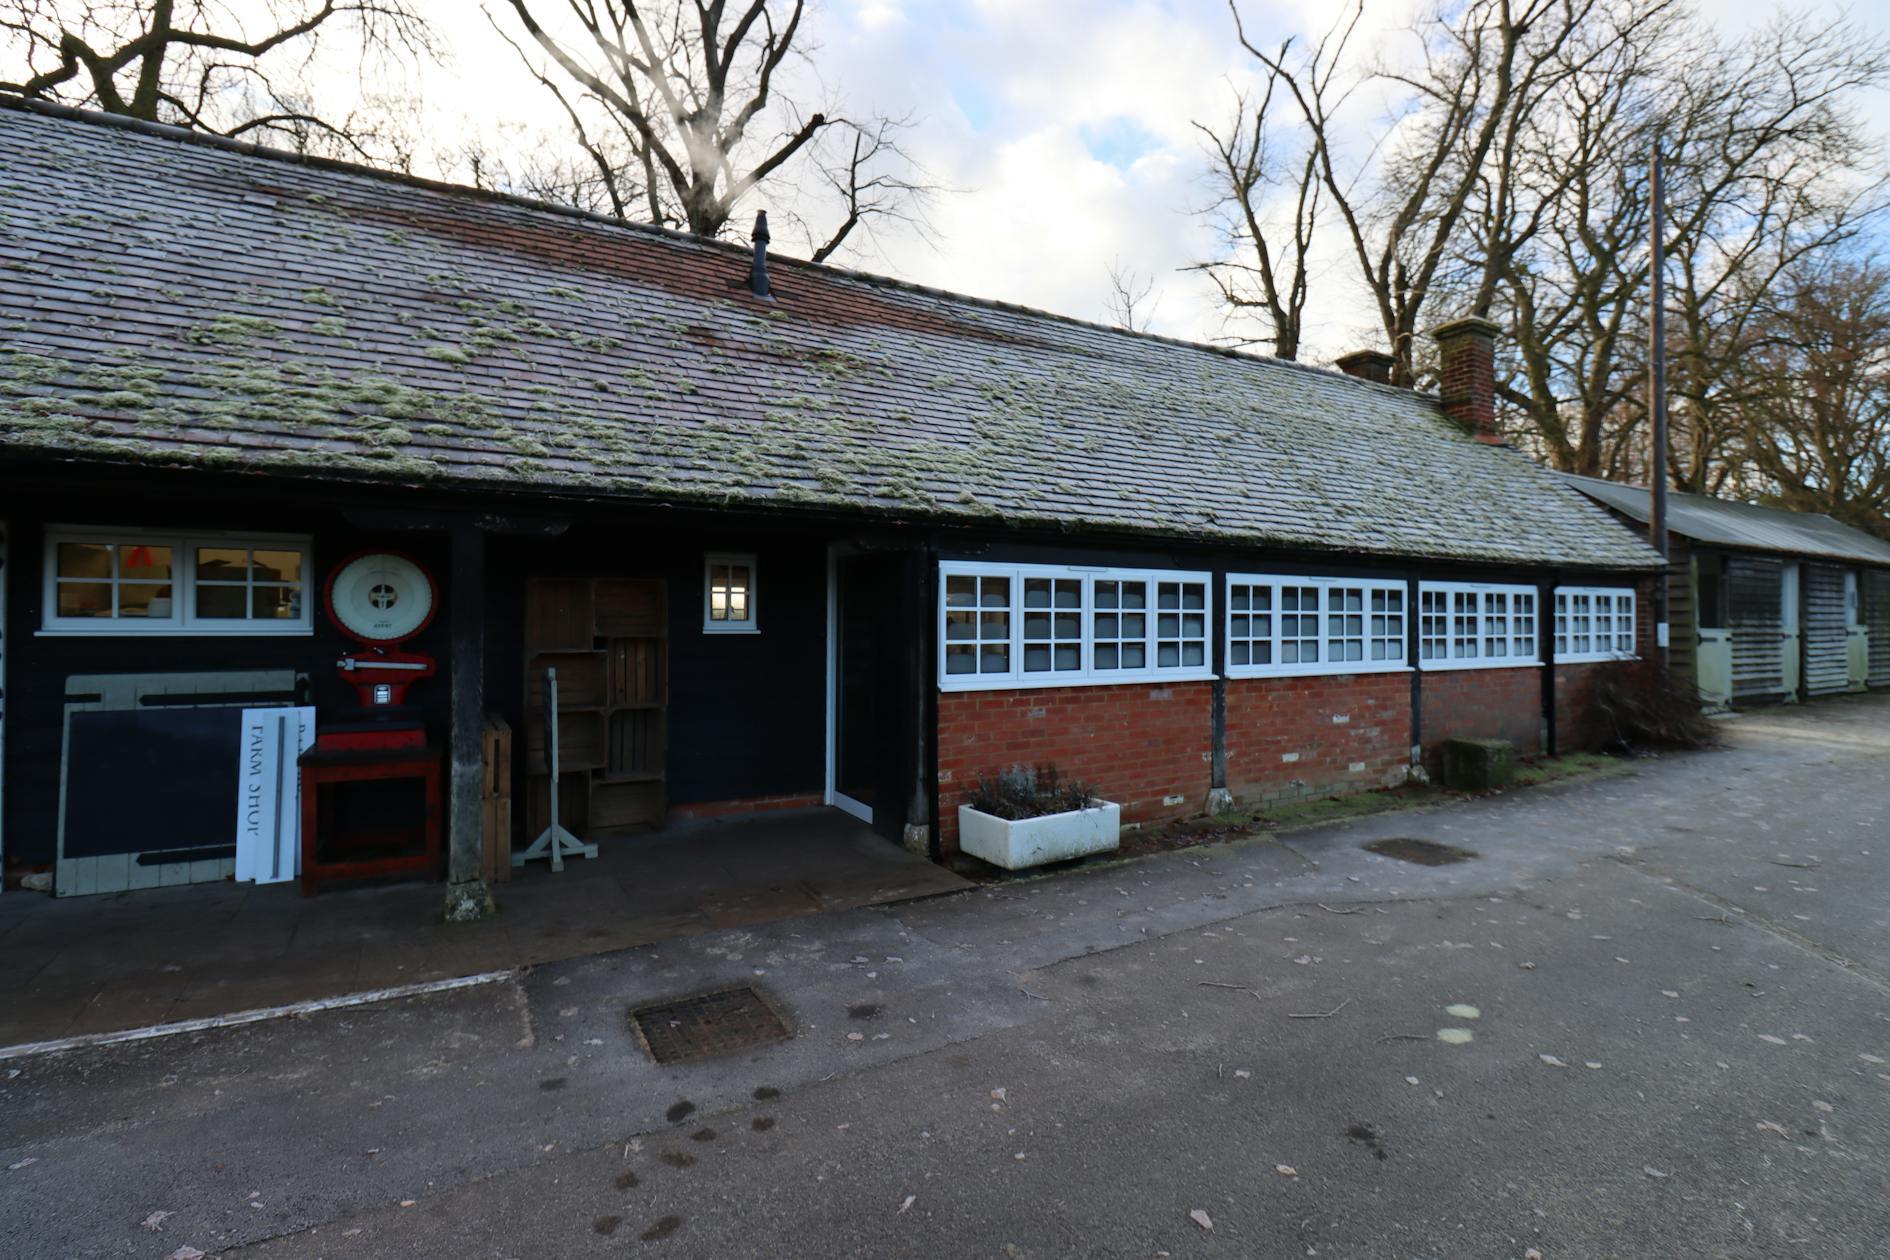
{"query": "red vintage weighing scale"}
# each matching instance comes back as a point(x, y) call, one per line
point(380, 599)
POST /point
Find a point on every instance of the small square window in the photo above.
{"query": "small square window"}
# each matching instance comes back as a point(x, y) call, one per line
point(728, 594)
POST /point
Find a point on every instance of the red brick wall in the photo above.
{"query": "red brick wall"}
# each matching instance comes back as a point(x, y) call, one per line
point(1135, 744)
point(1501, 703)
point(747, 805)
point(1289, 737)
point(1578, 724)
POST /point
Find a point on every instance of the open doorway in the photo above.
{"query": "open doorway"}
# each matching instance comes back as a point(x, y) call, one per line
point(869, 735)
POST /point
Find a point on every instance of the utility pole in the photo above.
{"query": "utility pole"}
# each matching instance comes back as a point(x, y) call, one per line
point(1657, 391)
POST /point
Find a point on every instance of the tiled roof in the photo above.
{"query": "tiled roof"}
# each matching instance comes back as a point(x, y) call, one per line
point(1727, 523)
point(196, 303)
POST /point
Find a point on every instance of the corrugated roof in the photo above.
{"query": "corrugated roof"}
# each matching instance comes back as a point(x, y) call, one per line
point(170, 298)
point(1727, 523)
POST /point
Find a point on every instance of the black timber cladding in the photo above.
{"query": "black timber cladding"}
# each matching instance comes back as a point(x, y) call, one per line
point(1827, 664)
point(176, 300)
point(1755, 597)
point(1876, 596)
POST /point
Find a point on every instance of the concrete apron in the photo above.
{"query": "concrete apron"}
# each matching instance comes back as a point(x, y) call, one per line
point(139, 965)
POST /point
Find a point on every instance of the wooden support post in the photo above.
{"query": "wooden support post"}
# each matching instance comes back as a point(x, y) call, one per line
point(467, 896)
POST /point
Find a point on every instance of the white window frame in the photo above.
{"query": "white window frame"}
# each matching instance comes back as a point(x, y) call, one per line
point(1620, 611)
point(1325, 585)
point(1086, 675)
point(752, 625)
point(183, 620)
point(1523, 650)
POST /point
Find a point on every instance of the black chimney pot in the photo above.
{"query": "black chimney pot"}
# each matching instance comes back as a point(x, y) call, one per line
point(758, 271)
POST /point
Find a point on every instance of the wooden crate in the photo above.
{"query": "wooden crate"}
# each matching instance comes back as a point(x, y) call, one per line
point(497, 757)
point(636, 806)
point(558, 615)
point(495, 810)
point(495, 820)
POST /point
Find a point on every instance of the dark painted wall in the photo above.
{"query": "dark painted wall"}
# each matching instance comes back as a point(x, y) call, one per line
point(747, 714)
point(37, 666)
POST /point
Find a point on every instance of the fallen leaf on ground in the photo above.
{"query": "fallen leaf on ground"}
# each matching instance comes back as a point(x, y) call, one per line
point(906, 1204)
point(1551, 1060)
point(1768, 1037)
point(156, 1220)
point(30, 1159)
point(999, 1094)
point(1772, 1126)
point(1202, 1219)
point(1653, 1172)
point(185, 1253)
point(1286, 1170)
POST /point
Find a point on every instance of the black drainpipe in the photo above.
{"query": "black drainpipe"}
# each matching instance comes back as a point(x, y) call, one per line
point(1217, 659)
point(1414, 646)
point(1545, 652)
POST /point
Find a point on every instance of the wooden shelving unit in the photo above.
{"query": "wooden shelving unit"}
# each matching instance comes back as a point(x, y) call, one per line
point(608, 640)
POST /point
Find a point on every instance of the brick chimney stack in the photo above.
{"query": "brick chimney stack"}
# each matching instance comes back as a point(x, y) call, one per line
point(1466, 350)
point(1368, 365)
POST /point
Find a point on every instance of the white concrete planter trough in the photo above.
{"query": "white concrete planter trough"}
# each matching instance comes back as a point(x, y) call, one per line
point(1035, 841)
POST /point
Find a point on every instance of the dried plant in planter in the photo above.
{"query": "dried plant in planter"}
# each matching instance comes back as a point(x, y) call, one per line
point(1662, 714)
point(1026, 792)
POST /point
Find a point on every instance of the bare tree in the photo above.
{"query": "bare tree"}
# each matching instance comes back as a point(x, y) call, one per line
point(1772, 169)
point(227, 68)
point(1479, 65)
point(1262, 268)
point(1814, 393)
point(679, 110)
point(1129, 290)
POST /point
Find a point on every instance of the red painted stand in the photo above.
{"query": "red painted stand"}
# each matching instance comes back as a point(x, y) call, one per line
point(326, 857)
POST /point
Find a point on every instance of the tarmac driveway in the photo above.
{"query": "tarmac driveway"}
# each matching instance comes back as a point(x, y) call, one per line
point(1649, 1018)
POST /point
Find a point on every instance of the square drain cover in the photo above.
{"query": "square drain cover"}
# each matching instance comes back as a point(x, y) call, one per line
point(708, 1024)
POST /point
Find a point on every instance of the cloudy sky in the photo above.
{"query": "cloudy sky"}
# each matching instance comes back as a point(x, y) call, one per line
point(1061, 127)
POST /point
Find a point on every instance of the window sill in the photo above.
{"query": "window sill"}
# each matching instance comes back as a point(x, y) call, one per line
point(1052, 682)
point(174, 632)
point(1316, 671)
point(1596, 660)
point(751, 629)
point(1447, 667)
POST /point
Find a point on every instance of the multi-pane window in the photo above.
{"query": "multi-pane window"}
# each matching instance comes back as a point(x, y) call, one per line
point(1053, 625)
point(1019, 625)
point(977, 626)
point(1307, 625)
point(140, 582)
point(728, 594)
point(1594, 623)
point(1120, 626)
point(1463, 625)
point(1181, 625)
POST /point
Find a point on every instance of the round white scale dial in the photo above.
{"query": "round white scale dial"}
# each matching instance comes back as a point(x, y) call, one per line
point(381, 598)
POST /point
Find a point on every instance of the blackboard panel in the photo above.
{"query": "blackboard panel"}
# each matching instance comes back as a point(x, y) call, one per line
point(145, 780)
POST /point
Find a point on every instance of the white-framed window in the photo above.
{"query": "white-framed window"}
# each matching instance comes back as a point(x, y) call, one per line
point(1594, 623)
point(1279, 625)
point(1476, 625)
point(144, 581)
point(1030, 625)
point(728, 593)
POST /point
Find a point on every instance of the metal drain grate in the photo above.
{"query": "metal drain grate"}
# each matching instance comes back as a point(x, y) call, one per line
point(708, 1024)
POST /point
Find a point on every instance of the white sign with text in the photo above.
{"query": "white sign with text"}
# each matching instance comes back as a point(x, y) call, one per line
point(269, 793)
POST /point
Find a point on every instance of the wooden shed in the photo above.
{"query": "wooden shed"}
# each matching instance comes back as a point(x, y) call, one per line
point(1766, 604)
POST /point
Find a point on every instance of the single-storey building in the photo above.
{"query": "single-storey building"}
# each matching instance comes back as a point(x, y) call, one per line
point(1766, 604)
point(277, 431)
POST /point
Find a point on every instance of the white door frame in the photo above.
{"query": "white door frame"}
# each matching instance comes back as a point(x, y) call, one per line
point(833, 795)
